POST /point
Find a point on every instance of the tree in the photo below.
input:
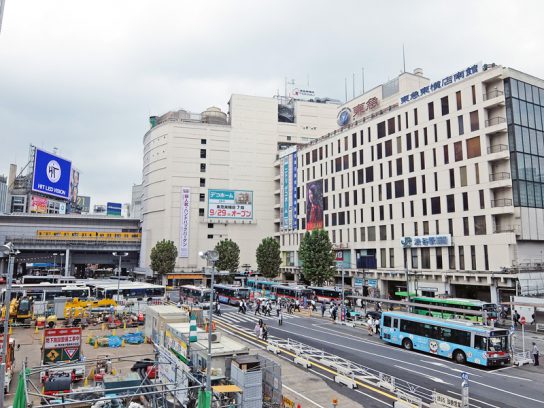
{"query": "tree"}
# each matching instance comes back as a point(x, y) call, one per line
point(268, 257)
point(163, 257)
point(318, 259)
point(229, 258)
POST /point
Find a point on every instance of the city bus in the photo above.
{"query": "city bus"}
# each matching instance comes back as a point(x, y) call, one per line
point(467, 304)
point(56, 279)
point(47, 292)
point(128, 291)
point(292, 292)
point(261, 288)
point(195, 295)
point(231, 295)
point(329, 294)
point(460, 340)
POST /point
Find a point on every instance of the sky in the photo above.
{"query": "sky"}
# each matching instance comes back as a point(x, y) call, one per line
point(83, 76)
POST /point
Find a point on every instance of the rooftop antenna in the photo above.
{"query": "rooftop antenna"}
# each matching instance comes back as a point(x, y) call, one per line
point(403, 59)
point(363, 78)
point(346, 88)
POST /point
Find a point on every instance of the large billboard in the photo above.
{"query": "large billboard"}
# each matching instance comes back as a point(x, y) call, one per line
point(230, 204)
point(38, 205)
point(74, 185)
point(314, 205)
point(185, 222)
point(114, 209)
point(288, 192)
point(83, 203)
point(52, 175)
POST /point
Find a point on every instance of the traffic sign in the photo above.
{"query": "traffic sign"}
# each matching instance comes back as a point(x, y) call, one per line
point(522, 320)
point(61, 345)
point(464, 376)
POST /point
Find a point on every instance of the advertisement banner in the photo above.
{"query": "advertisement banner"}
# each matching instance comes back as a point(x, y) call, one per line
point(426, 241)
point(290, 195)
point(295, 186)
point(230, 204)
point(114, 209)
point(185, 222)
point(38, 205)
point(314, 205)
point(84, 203)
point(74, 185)
point(286, 192)
point(52, 174)
point(282, 198)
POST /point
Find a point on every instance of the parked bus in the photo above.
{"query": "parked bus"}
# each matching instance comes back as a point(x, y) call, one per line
point(47, 292)
point(261, 288)
point(128, 291)
point(292, 292)
point(329, 294)
point(36, 279)
point(195, 295)
point(467, 304)
point(230, 294)
point(461, 340)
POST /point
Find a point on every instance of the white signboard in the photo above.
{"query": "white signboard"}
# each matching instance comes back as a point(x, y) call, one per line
point(447, 401)
point(426, 241)
point(62, 338)
point(185, 222)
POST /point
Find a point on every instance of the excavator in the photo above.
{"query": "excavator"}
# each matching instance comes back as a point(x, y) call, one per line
point(20, 309)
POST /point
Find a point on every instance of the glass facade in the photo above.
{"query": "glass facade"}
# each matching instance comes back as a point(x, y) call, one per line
point(525, 118)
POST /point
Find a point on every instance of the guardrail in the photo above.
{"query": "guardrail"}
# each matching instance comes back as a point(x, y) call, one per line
point(493, 94)
point(501, 202)
point(497, 148)
point(499, 176)
point(495, 121)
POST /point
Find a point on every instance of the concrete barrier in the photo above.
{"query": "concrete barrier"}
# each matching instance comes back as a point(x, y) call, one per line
point(273, 349)
point(303, 362)
point(348, 382)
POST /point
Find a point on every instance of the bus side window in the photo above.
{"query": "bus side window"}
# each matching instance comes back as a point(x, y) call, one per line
point(480, 342)
point(387, 321)
point(395, 323)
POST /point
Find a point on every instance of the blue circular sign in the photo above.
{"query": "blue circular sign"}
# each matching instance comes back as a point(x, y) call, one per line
point(344, 117)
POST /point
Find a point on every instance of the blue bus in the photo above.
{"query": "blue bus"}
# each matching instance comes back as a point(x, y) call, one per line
point(261, 288)
point(462, 341)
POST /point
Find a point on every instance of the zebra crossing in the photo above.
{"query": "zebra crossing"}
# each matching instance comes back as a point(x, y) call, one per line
point(237, 318)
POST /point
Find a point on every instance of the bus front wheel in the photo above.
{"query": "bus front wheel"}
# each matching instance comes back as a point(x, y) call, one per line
point(459, 357)
point(407, 344)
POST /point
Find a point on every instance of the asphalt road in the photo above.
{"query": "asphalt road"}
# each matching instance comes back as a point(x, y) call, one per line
point(495, 388)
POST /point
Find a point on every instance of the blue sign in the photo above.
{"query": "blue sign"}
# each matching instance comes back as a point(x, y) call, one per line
point(286, 192)
point(344, 116)
point(358, 282)
point(373, 283)
point(464, 376)
point(434, 86)
point(295, 186)
point(114, 208)
point(51, 175)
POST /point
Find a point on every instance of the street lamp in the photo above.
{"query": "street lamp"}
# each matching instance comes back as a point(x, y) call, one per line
point(120, 255)
point(8, 250)
point(210, 256)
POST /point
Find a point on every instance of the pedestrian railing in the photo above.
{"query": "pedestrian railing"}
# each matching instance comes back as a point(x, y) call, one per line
point(350, 373)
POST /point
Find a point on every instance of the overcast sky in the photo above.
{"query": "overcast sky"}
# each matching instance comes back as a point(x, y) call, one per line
point(84, 76)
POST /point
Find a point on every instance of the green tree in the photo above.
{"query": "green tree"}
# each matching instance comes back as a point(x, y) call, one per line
point(229, 258)
point(268, 257)
point(318, 259)
point(163, 257)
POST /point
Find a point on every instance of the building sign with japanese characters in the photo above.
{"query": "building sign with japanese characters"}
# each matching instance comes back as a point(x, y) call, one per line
point(61, 345)
point(363, 107)
point(434, 86)
point(288, 192)
point(426, 241)
point(230, 204)
point(185, 222)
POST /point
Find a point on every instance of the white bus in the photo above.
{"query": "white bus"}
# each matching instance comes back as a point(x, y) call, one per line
point(195, 295)
point(47, 292)
point(54, 279)
point(128, 291)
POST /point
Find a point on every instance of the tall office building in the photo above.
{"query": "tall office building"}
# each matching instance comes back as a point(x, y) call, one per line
point(438, 183)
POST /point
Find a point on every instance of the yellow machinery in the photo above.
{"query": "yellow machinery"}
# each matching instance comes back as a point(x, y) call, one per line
point(20, 309)
point(83, 308)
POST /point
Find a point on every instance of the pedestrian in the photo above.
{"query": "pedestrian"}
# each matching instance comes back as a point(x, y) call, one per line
point(258, 308)
point(333, 313)
point(257, 330)
point(535, 354)
point(370, 325)
point(297, 305)
point(240, 306)
point(280, 318)
point(312, 303)
point(323, 308)
point(218, 309)
point(278, 309)
point(515, 316)
point(377, 326)
point(533, 321)
point(265, 332)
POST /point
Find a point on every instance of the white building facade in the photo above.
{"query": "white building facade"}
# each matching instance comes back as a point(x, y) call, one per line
point(439, 179)
point(211, 176)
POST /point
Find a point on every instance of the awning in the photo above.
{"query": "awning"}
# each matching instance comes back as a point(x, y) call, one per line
point(223, 389)
point(185, 276)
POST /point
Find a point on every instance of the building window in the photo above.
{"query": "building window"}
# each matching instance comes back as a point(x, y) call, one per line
point(425, 227)
point(465, 201)
point(210, 225)
point(202, 197)
point(371, 233)
point(450, 226)
point(203, 141)
point(448, 128)
point(411, 163)
point(474, 121)
point(446, 154)
point(415, 117)
point(381, 130)
point(458, 100)
point(451, 257)
point(439, 258)
point(435, 205)
point(369, 174)
point(203, 167)
point(479, 225)
point(391, 258)
point(466, 230)
point(477, 172)
point(415, 263)
point(424, 206)
point(202, 153)
point(201, 212)
point(473, 88)
point(425, 258)
point(473, 147)
point(390, 126)
point(430, 106)
point(408, 141)
point(463, 174)
point(460, 125)
point(482, 202)
point(363, 234)
point(452, 178)
point(202, 182)
point(399, 188)
point(461, 258)
point(383, 232)
point(399, 144)
point(422, 160)
point(412, 187)
point(486, 258)
point(473, 257)
point(450, 200)
point(210, 236)
point(388, 148)
point(444, 103)
point(383, 258)
point(399, 166)
point(458, 151)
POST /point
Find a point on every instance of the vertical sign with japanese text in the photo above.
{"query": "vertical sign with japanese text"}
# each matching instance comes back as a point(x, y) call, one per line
point(286, 192)
point(295, 186)
point(185, 222)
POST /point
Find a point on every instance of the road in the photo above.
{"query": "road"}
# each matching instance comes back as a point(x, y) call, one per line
point(489, 388)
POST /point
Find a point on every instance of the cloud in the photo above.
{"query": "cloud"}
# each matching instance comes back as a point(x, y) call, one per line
point(84, 76)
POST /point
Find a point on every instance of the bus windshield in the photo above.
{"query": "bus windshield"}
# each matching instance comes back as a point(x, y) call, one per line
point(498, 343)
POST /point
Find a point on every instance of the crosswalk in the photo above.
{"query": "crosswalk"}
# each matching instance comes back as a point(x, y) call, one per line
point(237, 318)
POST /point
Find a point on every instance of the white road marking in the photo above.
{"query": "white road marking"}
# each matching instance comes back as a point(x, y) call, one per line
point(436, 363)
point(303, 396)
point(430, 377)
point(513, 376)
